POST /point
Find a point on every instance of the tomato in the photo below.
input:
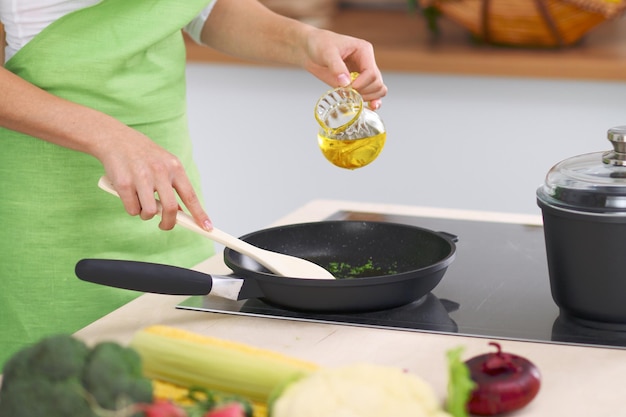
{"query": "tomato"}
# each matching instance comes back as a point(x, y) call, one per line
point(162, 408)
point(228, 410)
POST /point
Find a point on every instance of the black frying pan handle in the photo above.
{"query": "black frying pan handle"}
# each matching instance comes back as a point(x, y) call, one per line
point(143, 276)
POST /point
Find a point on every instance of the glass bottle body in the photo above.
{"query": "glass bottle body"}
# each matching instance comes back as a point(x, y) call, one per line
point(350, 136)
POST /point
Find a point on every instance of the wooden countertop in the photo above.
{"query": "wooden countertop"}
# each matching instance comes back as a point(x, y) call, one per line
point(402, 43)
point(576, 380)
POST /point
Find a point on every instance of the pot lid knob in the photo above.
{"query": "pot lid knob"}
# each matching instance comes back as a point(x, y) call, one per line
point(617, 137)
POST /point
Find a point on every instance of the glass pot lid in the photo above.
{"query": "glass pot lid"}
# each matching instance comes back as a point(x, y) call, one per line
point(593, 182)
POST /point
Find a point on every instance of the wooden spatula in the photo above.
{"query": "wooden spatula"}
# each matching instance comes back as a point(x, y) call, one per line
point(278, 263)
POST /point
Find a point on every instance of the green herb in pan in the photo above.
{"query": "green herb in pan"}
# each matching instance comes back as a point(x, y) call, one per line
point(344, 270)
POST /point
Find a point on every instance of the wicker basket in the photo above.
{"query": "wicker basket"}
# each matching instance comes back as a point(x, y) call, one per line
point(529, 23)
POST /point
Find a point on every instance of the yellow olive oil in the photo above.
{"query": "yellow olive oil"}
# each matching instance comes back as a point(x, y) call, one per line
point(351, 153)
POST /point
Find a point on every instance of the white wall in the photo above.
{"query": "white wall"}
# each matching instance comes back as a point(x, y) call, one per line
point(457, 142)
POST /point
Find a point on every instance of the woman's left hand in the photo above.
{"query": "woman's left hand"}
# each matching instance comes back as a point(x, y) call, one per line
point(248, 29)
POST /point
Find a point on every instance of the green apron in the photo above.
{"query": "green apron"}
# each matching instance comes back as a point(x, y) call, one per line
point(125, 58)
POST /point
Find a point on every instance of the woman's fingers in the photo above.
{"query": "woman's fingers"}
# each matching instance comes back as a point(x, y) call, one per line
point(191, 201)
point(169, 206)
point(127, 192)
point(147, 190)
point(148, 201)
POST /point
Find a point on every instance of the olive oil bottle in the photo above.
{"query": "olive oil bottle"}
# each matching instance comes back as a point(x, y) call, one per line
point(351, 153)
point(350, 135)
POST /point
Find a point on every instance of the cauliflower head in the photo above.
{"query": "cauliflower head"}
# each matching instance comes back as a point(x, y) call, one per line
point(358, 390)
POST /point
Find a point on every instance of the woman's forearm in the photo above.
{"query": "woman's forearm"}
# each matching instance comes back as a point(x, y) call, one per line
point(28, 109)
point(247, 29)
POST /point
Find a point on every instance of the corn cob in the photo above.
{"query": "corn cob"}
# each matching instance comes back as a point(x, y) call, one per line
point(189, 359)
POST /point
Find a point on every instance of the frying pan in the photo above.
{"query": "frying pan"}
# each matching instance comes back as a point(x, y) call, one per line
point(394, 264)
point(387, 265)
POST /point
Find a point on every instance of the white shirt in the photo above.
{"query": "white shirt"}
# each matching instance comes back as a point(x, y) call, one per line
point(24, 19)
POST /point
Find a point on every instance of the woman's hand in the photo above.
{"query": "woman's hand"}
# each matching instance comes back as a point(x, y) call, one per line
point(331, 57)
point(138, 168)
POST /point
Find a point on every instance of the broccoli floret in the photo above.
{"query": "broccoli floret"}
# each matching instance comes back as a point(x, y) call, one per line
point(43, 397)
point(113, 376)
point(55, 358)
point(61, 376)
point(44, 379)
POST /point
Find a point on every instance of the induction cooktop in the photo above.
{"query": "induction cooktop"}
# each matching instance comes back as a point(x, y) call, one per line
point(497, 287)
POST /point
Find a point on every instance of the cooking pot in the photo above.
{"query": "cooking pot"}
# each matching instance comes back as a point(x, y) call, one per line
point(381, 265)
point(583, 203)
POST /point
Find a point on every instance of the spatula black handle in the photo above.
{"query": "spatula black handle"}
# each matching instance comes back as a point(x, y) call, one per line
point(143, 276)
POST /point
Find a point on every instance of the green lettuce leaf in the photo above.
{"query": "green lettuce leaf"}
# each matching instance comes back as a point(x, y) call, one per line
point(460, 384)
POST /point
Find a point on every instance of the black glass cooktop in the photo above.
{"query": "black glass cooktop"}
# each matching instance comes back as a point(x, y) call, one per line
point(497, 287)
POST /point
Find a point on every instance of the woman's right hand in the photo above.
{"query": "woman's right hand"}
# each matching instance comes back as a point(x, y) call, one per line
point(138, 168)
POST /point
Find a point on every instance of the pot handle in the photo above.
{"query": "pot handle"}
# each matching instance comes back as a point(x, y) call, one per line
point(449, 236)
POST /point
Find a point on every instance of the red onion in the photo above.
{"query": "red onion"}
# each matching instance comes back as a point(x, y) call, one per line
point(504, 382)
